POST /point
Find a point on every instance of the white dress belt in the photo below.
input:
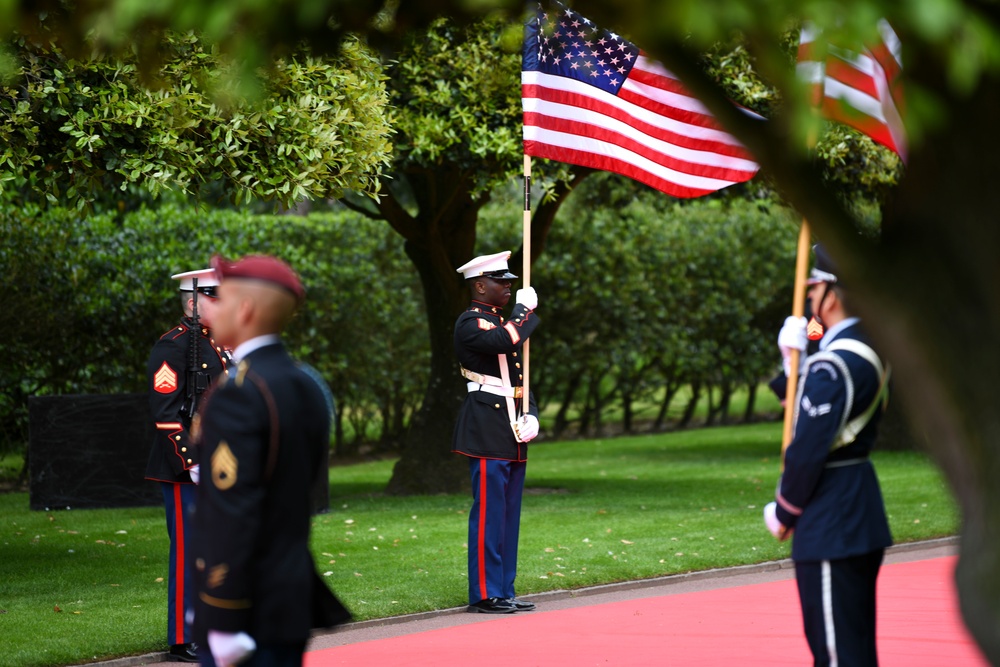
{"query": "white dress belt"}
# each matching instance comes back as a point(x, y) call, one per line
point(509, 392)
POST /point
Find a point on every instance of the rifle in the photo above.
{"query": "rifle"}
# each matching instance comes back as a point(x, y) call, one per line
point(196, 379)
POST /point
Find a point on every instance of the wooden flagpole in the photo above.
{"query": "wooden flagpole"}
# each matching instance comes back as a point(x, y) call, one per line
point(526, 272)
point(798, 308)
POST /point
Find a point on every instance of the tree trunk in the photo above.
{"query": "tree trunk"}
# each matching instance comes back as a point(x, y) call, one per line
point(427, 464)
point(669, 391)
point(712, 411)
point(627, 415)
point(561, 420)
point(691, 405)
point(338, 429)
point(725, 397)
point(587, 412)
point(751, 402)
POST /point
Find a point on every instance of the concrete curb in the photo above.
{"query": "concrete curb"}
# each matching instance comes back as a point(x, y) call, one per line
point(562, 594)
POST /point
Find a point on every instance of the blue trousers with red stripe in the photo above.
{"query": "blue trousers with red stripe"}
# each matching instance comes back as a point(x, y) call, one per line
point(178, 499)
point(494, 525)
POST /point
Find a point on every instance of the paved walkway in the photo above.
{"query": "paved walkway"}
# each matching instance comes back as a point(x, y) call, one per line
point(390, 635)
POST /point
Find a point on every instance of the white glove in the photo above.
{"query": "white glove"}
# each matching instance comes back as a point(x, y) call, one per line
point(526, 428)
point(229, 648)
point(792, 337)
point(526, 297)
point(772, 522)
point(195, 472)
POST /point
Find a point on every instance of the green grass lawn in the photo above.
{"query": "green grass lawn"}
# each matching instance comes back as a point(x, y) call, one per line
point(83, 585)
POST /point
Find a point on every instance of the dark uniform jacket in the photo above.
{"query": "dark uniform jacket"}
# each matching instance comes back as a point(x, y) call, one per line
point(264, 440)
point(831, 496)
point(172, 455)
point(484, 340)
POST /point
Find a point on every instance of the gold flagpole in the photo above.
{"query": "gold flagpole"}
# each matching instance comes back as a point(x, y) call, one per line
point(526, 270)
point(798, 308)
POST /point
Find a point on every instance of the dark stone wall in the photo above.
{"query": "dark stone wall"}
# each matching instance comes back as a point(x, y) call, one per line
point(89, 451)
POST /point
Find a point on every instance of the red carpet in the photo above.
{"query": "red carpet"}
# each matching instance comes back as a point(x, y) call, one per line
point(757, 624)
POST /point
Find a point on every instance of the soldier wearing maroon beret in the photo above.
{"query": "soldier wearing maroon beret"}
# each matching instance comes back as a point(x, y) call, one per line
point(264, 440)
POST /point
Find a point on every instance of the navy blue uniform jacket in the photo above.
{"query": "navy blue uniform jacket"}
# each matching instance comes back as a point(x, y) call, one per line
point(172, 454)
point(264, 439)
point(832, 498)
point(482, 336)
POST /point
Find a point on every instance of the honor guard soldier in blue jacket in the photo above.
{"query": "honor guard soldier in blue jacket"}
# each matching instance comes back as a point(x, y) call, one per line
point(264, 442)
point(828, 497)
point(180, 368)
point(494, 426)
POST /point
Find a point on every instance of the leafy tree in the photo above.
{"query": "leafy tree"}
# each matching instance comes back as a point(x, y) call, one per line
point(79, 131)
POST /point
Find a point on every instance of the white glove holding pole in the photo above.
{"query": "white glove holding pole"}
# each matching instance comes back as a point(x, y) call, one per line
point(230, 648)
point(195, 472)
point(525, 428)
point(792, 337)
point(526, 297)
point(772, 522)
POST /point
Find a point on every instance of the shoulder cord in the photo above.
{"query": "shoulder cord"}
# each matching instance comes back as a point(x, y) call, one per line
point(849, 431)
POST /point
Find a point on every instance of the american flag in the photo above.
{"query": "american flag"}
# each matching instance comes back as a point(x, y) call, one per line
point(593, 99)
point(861, 90)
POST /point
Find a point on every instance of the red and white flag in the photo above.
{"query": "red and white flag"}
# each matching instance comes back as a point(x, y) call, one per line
point(861, 90)
point(593, 99)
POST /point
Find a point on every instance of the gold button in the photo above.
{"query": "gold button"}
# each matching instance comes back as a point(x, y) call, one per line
point(497, 406)
point(204, 365)
point(520, 377)
point(184, 449)
point(189, 461)
point(517, 365)
point(514, 354)
point(177, 437)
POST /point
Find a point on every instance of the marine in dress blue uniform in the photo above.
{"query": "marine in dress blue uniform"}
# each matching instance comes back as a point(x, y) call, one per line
point(172, 457)
point(494, 427)
point(264, 439)
point(828, 497)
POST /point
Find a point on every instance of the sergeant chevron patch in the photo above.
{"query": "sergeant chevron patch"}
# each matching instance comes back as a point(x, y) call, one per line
point(224, 467)
point(165, 380)
point(814, 330)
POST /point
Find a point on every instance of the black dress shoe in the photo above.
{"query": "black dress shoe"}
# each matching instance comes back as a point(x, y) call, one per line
point(521, 605)
point(492, 606)
point(183, 653)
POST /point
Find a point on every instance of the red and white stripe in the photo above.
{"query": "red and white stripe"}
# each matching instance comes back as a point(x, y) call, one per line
point(861, 90)
point(653, 131)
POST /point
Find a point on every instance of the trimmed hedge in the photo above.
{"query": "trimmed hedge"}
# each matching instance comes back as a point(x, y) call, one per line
point(638, 300)
point(90, 295)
